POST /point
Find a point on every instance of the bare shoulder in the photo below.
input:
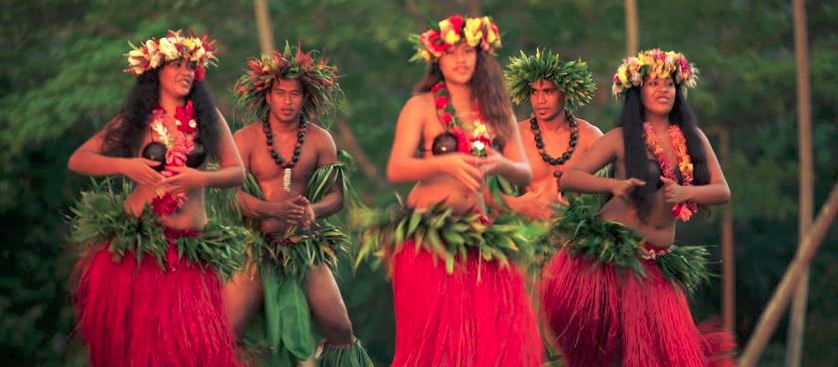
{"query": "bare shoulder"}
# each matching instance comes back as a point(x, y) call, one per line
point(419, 102)
point(588, 128)
point(319, 133)
point(321, 137)
point(246, 133)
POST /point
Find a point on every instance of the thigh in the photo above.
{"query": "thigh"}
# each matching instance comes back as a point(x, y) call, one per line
point(242, 297)
point(324, 297)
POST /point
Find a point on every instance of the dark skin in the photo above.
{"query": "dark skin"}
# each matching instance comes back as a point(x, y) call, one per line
point(175, 81)
point(548, 105)
point(659, 227)
point(282, 209)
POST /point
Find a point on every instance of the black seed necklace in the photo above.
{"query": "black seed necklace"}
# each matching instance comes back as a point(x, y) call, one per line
point(571, 146)
point(286, 166)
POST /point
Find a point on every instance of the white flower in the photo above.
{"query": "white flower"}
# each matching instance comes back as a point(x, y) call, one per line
point(478, 145)
point(168, 49)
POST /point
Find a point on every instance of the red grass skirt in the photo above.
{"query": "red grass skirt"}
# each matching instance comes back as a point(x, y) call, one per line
point(605, 316)
point(478, 316)
point(141, 316)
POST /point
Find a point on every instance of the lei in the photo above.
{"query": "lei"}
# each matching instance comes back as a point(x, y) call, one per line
point(476, 139)
point(684, 210)
point(177, 147)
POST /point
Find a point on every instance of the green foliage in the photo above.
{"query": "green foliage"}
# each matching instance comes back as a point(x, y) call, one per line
point(61, 79)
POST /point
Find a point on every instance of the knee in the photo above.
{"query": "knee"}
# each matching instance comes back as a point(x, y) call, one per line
point(338, 333)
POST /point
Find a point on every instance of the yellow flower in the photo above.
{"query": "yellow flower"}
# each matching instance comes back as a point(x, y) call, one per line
point(449, 34)
point(479, 130)
point(474, 31)
point(189, 43)
point(621, 74)
point(425, 55)
point(492, 35)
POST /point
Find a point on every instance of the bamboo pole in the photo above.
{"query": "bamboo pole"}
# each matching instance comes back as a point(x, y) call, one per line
point(797, 322)
point(791, 279)
point(728, 254)
point(263, 26)
point(631, 27)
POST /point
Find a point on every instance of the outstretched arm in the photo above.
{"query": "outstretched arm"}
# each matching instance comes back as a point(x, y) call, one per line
point(580, 177)
point(89, 160)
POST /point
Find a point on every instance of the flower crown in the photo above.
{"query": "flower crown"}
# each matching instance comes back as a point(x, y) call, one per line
point(654, 63)
point(319, 80)
point(174, 46)
point(450, 31)
point(573, 77)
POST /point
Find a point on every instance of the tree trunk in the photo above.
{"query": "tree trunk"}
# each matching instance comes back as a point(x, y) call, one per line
point(631, 27)
point(263, 26)
point(728, 254)
point(791, 280)
point(797, 320)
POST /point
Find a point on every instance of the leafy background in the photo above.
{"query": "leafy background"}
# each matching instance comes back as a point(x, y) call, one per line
point(61, 79)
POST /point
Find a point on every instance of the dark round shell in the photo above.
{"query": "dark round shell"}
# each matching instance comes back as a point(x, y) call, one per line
point(444, 143)
point(156, 151)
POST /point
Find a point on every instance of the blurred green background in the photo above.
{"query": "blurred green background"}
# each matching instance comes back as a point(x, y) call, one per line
point(61, 79)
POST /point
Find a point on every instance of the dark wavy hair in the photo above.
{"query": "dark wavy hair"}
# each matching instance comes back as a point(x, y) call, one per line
point(488, 86)
point(125, 133)
point(636, 156)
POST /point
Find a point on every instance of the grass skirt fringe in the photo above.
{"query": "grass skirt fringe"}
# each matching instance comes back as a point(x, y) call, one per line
point(137, 314)
point(603, 315)
point(479, 315)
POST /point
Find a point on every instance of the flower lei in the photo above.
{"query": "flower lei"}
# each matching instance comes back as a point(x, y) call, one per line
point(479, 138)
point(654, 63)
point(684, 210)
point(177, 147)
point(432, 43)
point(173, 46)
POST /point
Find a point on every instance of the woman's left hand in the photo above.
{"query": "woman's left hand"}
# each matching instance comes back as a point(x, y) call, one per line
point(673, 192)
point(186, 178)
point(492, 163)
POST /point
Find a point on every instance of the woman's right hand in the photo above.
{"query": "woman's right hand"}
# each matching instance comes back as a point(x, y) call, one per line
point(623, 188)
point(464, 168)
point(140, 170)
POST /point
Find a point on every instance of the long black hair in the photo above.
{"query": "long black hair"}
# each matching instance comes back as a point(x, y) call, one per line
point(636, 156)
point(125, 134)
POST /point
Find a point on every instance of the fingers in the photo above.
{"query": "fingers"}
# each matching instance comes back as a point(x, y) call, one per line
point(150, 163)
point(667, 181)
point(636, 182)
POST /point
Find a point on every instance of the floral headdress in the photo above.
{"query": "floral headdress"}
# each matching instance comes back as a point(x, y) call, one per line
point(655, 63)
point(319, 80)
point(173, 46)
point(572, 78)
point(452, 30)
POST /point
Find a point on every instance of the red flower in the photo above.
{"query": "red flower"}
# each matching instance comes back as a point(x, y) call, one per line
point(200, 73)
point(463, 145)
point(186, 114)
point(446, 118)
point(165, 205)
point(437, 87)
point(441, 102)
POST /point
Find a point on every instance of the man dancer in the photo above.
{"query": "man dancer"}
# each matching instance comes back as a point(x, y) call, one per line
point(553, 137)
point(294, 182)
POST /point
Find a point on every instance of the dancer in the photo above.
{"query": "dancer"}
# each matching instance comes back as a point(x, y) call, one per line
point(615, 293)
point(554, 138)
point(459, 298)
point(149, 291)
point(295, 182)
